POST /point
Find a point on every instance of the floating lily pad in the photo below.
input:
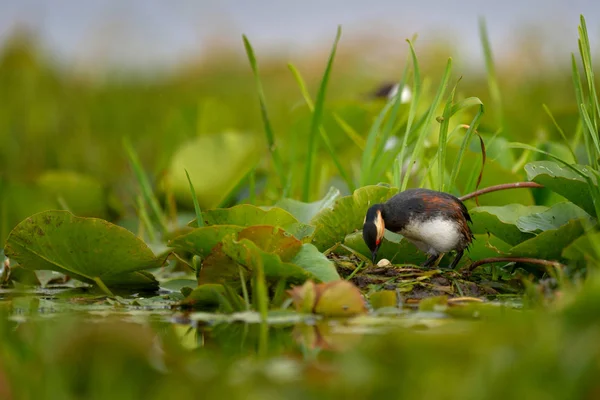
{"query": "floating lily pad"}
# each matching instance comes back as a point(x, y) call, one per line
point(207, 296)
point(249, 215)
point(84, 248)
point(501, 221)
point(305, 212)
point(219, 268)
point(132, 281)
point(231, 154)
point(347, 215)
point(564, 181)
point(339, 298)
point(201, 241)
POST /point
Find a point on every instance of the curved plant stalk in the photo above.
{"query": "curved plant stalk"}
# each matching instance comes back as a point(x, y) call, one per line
point(538, 261)
point(503, 186)
point(102, 286)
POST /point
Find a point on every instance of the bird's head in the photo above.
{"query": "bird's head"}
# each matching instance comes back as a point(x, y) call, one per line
point(373, 229)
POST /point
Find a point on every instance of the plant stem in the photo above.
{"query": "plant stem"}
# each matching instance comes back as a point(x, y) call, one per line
point(102, 286)
point(513, 259)
point(503, 186)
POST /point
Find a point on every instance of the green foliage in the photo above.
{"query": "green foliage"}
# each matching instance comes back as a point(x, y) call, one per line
point(85, 248)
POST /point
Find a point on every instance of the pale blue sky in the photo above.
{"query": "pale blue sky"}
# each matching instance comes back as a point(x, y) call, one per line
point(155, 32)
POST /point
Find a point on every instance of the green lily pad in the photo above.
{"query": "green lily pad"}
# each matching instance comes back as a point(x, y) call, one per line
point(347, 215)
point(564, 181)
point(219, 268)
point(550, 243)
point(249, 215)
point(207, 296)
point(501, 221)
point(84, 248)
point(305, 212)
point(553, 218)
point(132, 281)
point(272, 240)
point(315, 262)
point(231, 154)
point(201, 241)
point(248, 254)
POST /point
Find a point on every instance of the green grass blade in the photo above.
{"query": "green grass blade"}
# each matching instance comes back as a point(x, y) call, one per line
point(465, 143)
point(493, 85)
point(145, 187)
point(586, 57)
point(349, 131)
point(592, 152)
point(322, 131)
point(199, 219)
point(560, 131)
point(316, 120)
point(443, 136)
point(417, 87)
point(424, 131)
point(277, 162)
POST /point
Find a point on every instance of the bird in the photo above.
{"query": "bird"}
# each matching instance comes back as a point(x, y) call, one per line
point(435, 222)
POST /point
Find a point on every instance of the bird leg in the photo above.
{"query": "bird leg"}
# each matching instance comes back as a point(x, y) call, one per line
point(459, 255)
point(430, 261)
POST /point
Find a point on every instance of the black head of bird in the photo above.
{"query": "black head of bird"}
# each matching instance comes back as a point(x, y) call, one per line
point(435, 222)
point(374, 229)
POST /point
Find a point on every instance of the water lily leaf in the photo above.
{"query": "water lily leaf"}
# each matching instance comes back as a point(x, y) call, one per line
point(84, 195)
point(384, 298)
point(132, 281)
point(564, 181)
point(201, 241)
point(272, 240)
point(584, 248)
point(347, 215)
point(501, 221)
point(219, 268)
point(249, 215)
point(552, 218)
point(207, 296)
point(249, 254)
point(550, 243)
point(176, 285)
point(305, 212)
point(339, 299)
point(84, 248)
point(231, 154)
point(315, 262)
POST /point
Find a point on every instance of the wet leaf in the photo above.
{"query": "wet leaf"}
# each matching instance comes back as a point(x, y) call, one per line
point(305, 212)
point(563, 181)
point(501, 221)
point(218, 267)
point(347, 215)
point(231, 154)
point(132, 281)
point(84, 248)
point(201, 241)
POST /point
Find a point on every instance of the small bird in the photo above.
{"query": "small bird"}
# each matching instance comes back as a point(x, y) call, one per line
point(435, 222)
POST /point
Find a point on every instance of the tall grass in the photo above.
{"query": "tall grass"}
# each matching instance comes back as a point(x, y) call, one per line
point(273, 150)
point(317, 116)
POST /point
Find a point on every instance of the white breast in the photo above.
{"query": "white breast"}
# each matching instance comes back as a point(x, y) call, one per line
point(439, 235)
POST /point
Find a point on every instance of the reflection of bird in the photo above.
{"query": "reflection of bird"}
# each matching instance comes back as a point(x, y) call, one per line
point(435, 222)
